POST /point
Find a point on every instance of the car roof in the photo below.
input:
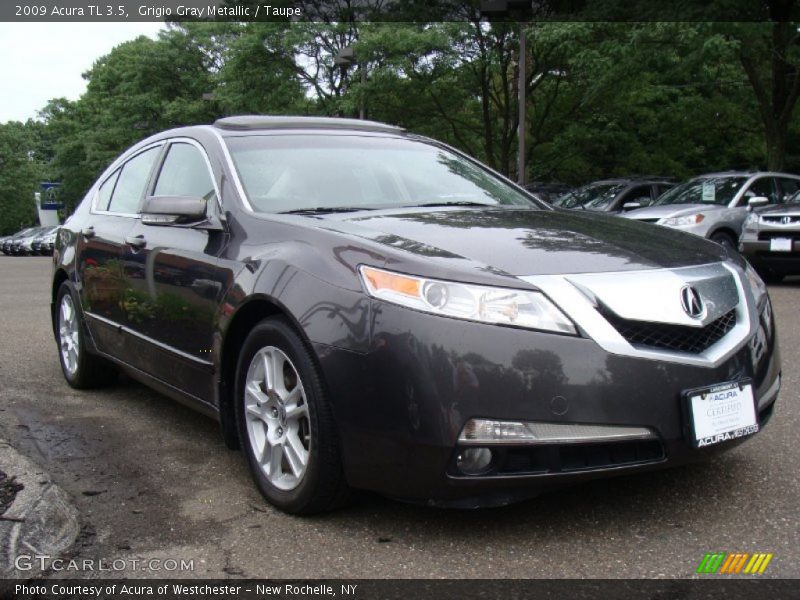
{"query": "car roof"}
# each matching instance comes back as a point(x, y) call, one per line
point(264, 122)
point(746, 174)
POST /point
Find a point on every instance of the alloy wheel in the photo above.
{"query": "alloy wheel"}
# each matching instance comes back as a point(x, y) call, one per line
point(68, 334)
point(277, 418)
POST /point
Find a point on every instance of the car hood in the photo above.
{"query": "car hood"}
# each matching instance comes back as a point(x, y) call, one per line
point(670, 210)
point(781, 209)
point(528, 242)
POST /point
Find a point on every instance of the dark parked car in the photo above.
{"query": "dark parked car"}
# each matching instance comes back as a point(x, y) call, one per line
point(615, 195)
point(548, 191)
point(361, 307)
point(771, 240)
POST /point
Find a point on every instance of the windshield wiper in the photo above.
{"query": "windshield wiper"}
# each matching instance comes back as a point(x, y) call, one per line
point(443, 203)
point(323, 210)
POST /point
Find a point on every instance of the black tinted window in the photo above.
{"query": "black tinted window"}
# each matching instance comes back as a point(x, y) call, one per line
point(763, 187)
point(640, 194)
point(789, 187)
point(132, 181)
point(185, 173)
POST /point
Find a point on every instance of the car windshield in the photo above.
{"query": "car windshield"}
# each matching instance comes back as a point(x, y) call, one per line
point(703, 190)
point(297, 172)
point(594, 196)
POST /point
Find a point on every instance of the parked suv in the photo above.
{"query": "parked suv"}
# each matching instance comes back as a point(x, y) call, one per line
point(361, 307)
point(771, 240)
point(715, 205)
point(615, 195)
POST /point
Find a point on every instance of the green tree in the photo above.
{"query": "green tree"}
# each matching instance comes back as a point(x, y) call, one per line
point(20, 174)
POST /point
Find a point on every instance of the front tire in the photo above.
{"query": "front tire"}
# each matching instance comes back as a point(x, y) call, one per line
point(723, 239)
point(770, 276)
point(81, 369)
point(285, 423)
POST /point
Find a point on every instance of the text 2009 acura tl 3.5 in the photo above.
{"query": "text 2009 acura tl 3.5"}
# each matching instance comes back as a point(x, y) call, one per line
point(362, 308)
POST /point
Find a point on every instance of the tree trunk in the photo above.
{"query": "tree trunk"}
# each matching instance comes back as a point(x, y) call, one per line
point(777, 94)
point(776, 147)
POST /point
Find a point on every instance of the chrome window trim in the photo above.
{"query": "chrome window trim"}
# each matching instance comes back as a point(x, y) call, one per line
point(118, 164)
point(567, 293)
point(199, 146)
point(234, 174)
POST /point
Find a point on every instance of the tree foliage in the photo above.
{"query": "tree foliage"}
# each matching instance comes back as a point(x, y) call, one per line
point(603, 98)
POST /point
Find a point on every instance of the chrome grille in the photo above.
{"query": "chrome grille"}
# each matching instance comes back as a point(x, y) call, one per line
point(665, 336)
point(781, 219)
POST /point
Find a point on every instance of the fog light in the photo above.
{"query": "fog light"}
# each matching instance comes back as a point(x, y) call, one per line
point(474, 461)
point(485, 431)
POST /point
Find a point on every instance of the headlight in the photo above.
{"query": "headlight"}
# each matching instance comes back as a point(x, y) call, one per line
point(501, 306)
point(757, 286)
point(683, 221)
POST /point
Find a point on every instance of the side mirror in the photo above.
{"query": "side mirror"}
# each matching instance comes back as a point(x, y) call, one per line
point(757, 201)
point(631, 205)
point(173, 210)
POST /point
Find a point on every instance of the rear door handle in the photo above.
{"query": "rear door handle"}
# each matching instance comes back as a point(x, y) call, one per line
point(136, 241)
point(87, 232)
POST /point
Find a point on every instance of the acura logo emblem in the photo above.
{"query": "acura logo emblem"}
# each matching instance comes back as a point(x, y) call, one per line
point(692, 303)
point(786, 220)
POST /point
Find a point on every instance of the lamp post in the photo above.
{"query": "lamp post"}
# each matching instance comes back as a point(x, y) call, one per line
point(504, 8)
point(344, 58)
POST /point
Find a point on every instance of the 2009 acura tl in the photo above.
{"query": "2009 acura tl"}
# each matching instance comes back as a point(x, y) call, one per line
point(365, 308)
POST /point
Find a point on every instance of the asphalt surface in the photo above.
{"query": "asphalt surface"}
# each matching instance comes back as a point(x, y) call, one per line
point(152, 480)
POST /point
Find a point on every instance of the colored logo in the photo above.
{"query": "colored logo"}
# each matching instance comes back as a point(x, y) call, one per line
point(734, 563)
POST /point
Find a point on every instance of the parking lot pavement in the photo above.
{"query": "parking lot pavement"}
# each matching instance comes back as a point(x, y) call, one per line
point(152, 480)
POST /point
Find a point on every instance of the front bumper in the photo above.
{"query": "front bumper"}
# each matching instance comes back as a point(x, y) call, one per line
point(401, 406)
point(760, 256)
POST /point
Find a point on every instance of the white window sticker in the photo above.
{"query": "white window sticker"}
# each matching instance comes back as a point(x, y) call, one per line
point(709, 191)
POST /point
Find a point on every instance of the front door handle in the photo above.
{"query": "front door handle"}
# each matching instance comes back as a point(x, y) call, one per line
point(136, 241)
point(87, 232)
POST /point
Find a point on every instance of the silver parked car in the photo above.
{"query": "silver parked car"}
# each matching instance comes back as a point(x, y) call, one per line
point(771, 240)
point(716, 205)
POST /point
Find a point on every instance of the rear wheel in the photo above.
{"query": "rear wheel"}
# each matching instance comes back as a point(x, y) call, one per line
point(285, 422)
point(724, 239)
point(81, 369)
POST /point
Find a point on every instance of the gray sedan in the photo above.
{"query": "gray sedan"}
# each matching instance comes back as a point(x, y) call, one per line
point(715, 205)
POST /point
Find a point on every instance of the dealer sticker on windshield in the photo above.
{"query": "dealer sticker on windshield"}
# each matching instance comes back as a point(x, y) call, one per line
point(722, 412)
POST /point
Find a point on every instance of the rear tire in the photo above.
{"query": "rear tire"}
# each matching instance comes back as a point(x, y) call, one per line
point(285, 423)
point(81, 369)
